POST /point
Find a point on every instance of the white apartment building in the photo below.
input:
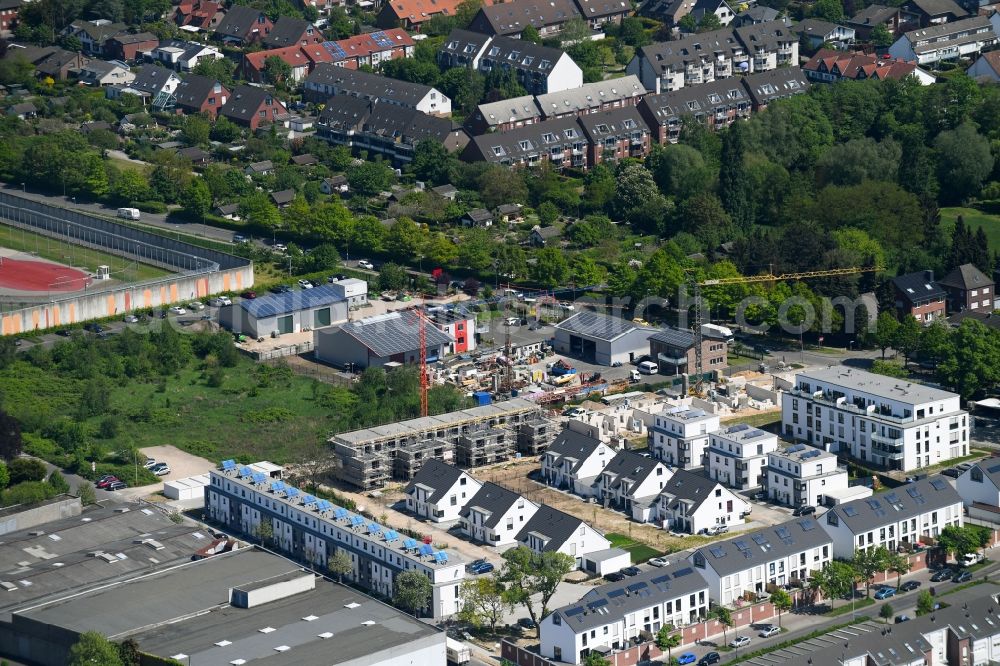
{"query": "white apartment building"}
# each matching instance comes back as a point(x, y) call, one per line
point(679, 436)
point(631, 482)
point(901, 517)
point(574, 461)
point(947, 41)
point(311, 529)
point(440, 491)
point(737, 455)
point(495, 515)
point(802, 475)
point(878, 420)
point(775, 555)
point(614, 614)
point(691, 502)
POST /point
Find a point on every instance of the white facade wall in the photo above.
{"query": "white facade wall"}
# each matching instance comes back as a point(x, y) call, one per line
point(726, 588)
point(892, 533)
point(738, 463)
point(977, 488)
point(507, 528)
point(681, 441)
point(796, 482)
point(560, 474)
point(450, 504)
point(585, 540)
point(435, 104)
point(564, 75)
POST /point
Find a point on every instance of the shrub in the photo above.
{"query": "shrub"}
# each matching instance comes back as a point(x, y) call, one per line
point(155, 207)
point(26, 469)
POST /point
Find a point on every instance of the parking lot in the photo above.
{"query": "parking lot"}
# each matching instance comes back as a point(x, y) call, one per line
point(182, 465)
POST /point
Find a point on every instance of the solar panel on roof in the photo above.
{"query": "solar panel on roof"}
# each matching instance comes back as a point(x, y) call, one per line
point(258, 477)
point(441, 557)
point(374, 529)
point(913, 492)
point(759, 539)
point(991, 470)
point(426, 549)
point(277, 486)
point(291, 492)
point(391, 535)
point(635, 587)
point(892, 498)
point(574, 611)
point(383, 40)
point(717, 552)
point(245, 471)
point(308, 499)
point(340, 512)
point(810, 454)
point(357, 520)
point(686, 571)
point(741, 544)
point(782, 532)
point(659, 579)
point(228, 465)
point(807, 525)
point(739, 427)
point(410, 543)
point(614, 594)
point(598, 604)
point(938, 484)
point(873, 503)
point(335, 49)
point(850, 511)
point(272, 305)
point(796, 448)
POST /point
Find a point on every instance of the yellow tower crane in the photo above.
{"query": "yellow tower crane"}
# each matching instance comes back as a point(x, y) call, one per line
point(752, 279)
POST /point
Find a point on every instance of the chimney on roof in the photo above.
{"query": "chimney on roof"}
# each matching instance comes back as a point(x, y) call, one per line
point(929, 275)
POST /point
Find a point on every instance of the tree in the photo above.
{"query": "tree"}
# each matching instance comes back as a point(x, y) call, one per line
point(197, 199)
point(465, 86)
point(501, 185)
point(885, 612)
point(595, 659)
point(958, 541)
point(432, 163)
point(725, 618)
point(964, 162)
point(972, 360)
point(886, 327)
point(899, 564)
point(867, 563)
point(476, 249)
point(93, 648)
point(530, 34)
point(392, 277)
point(667, 640)
point(484, 601)
point(58, 483)
point(734, 182)
point(551, 268)
point(585, 272)
point(129, 186)
point(128, 652)
point(834, 581)
point(710, 21)
point(264, 530)
point(548, 213)
point(881, 37)
point(782, 601)
point(339, 563)
point(828, 10)
point(26, 469)
point(925, 602)
point(511, 262)
point(277, 71)
point(221, 70)
point(405, 239)
point(369, 178)
point(527, 573)
point(575, 30)
point(225, 130)
point(688, 23)
point(907, 338)
point(85, 491)
point(257, 209)
point(413, 591)
point(4, 475)
point(196, 130)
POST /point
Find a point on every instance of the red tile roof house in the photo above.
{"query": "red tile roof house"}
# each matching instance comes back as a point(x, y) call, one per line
point(252, 107)
point(411, 14)
point(126, 47)
point(374, 48)
point(829, 66)
point(202, 14)
point(201, 94)
point(302, 60)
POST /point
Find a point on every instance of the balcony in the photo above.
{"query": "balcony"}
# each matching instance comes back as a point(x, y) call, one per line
point(894, 441)
point(887, 452)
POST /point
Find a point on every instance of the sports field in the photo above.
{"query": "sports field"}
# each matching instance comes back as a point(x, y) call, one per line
point(84, 258)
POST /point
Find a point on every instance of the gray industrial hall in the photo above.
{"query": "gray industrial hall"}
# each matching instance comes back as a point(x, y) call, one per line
point(378, 340)
point(291, 312)
point(601, 339)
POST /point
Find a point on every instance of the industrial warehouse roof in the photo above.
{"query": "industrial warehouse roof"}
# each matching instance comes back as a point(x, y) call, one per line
point(899, 504)
point(675, 337)
point(596, 325)
point(607, 603)
point(394, 333)
point(273, 305)
point(767, 545)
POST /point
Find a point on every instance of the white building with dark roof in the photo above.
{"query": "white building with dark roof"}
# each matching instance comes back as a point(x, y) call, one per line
point(440, 491)
point(947, 41)
point(614, 615)
point(979, 488)
point(631, 483)
point(803, 475)
point(776, 555)
point(574, 461)
point(327, 80)
point(881, 421)
point(903, 517)
point(550, 530)
point(375, 341)
point(736, 455)
point(679, 436)
point(495, 515)
point(692, 503)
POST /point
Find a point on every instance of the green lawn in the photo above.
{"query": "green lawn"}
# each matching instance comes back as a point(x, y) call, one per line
point(756, 420)
point(846, 608)
point(640, 552)
point(77, 256)
point(973, 219)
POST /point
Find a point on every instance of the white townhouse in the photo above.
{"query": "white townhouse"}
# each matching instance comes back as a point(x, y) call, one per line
point(631, 483)
point(778, 555)
point(901, 517)
point(574, 461)
point(691, 502)
point(440, 491)
point(615, 614)
point(882, 421)
point(551, 530)
point(947, 41)
point(802, 475)
point(495, 515)
point(979, 488)
point(737, 455)
point(679, 436)
point(308, 528)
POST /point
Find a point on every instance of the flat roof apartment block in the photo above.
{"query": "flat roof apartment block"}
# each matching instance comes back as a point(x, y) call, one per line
point(679, 436)
point(881, 421)
point(802, 475)
point(736, 455)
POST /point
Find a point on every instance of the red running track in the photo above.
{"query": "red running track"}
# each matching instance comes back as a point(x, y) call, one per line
point(40, 276)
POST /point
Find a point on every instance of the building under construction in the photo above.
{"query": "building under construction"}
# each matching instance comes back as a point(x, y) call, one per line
point(535, 434)
point(369, 458)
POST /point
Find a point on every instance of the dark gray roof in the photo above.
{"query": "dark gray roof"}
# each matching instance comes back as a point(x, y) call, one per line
point(534, 139)
point(97, 33)
point(405, 125)
point(691, 487)
point(692, 49)
point(985, 318)
point(814, 27)
point(596, 325)
point(703, 99)
point(588, 96)
point(511, 18)
point(521, 55)
point(873, 15)
point(195, 89)
point(934, 8)
point(613, 124)
point(918, 287)
point(768, 86)
point(260, 167)
point(602, 8)
point(135, 38)
point(966, 276)
point(900, 504)
point(990, 468)
point(479, 215)
point(675, 337)
point(758, 14)
point(550, 524)
point(766, 36)
point(194, 153)
point(286, 32)
point(367, 85)
point(304, 160)
point(612, 601)
point(272, 305)
point(464, 44)
point(393, 333)
point(546, 233)
point(632, 465)
point(949, 30)
point(575, 445)
point(283, 196)
point(439, 476)
point(238, 21)
point(245, 101)
point(152, 79)
point(495, 499)
point(771, 543)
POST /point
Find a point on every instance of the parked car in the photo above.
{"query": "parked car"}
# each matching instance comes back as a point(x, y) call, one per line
point(942, 575)
point(106, 481)
point(574, 411)
point(511, 321)
point(220, 301)
point(280, 247)
point(631, 571)
point(130, 319)
point(305, 284)
point(769, 630)
point(614, 577)
point(93, 327)
point(971, 558)
point(160, 469)
point(150, 463)
point(761, 349)
point(249, 294)
point(805, 510)
point(658, 561)
point(526, 623)
point(480, 567)
point(177, 310)
point(953, 473)
point(239, 238)
point(885, 593)
point(116, 485)
point(902, 618)
point(740, 641)
point(962, 577)
point(367, 265)
point(686, 658)
point(709, 659)
point(910, 585)
point(281, 289)
point(196, 306)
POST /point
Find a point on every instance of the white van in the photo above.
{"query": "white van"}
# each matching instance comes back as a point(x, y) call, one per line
point(649, 368)
point(129, 213)
point(972, 558)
